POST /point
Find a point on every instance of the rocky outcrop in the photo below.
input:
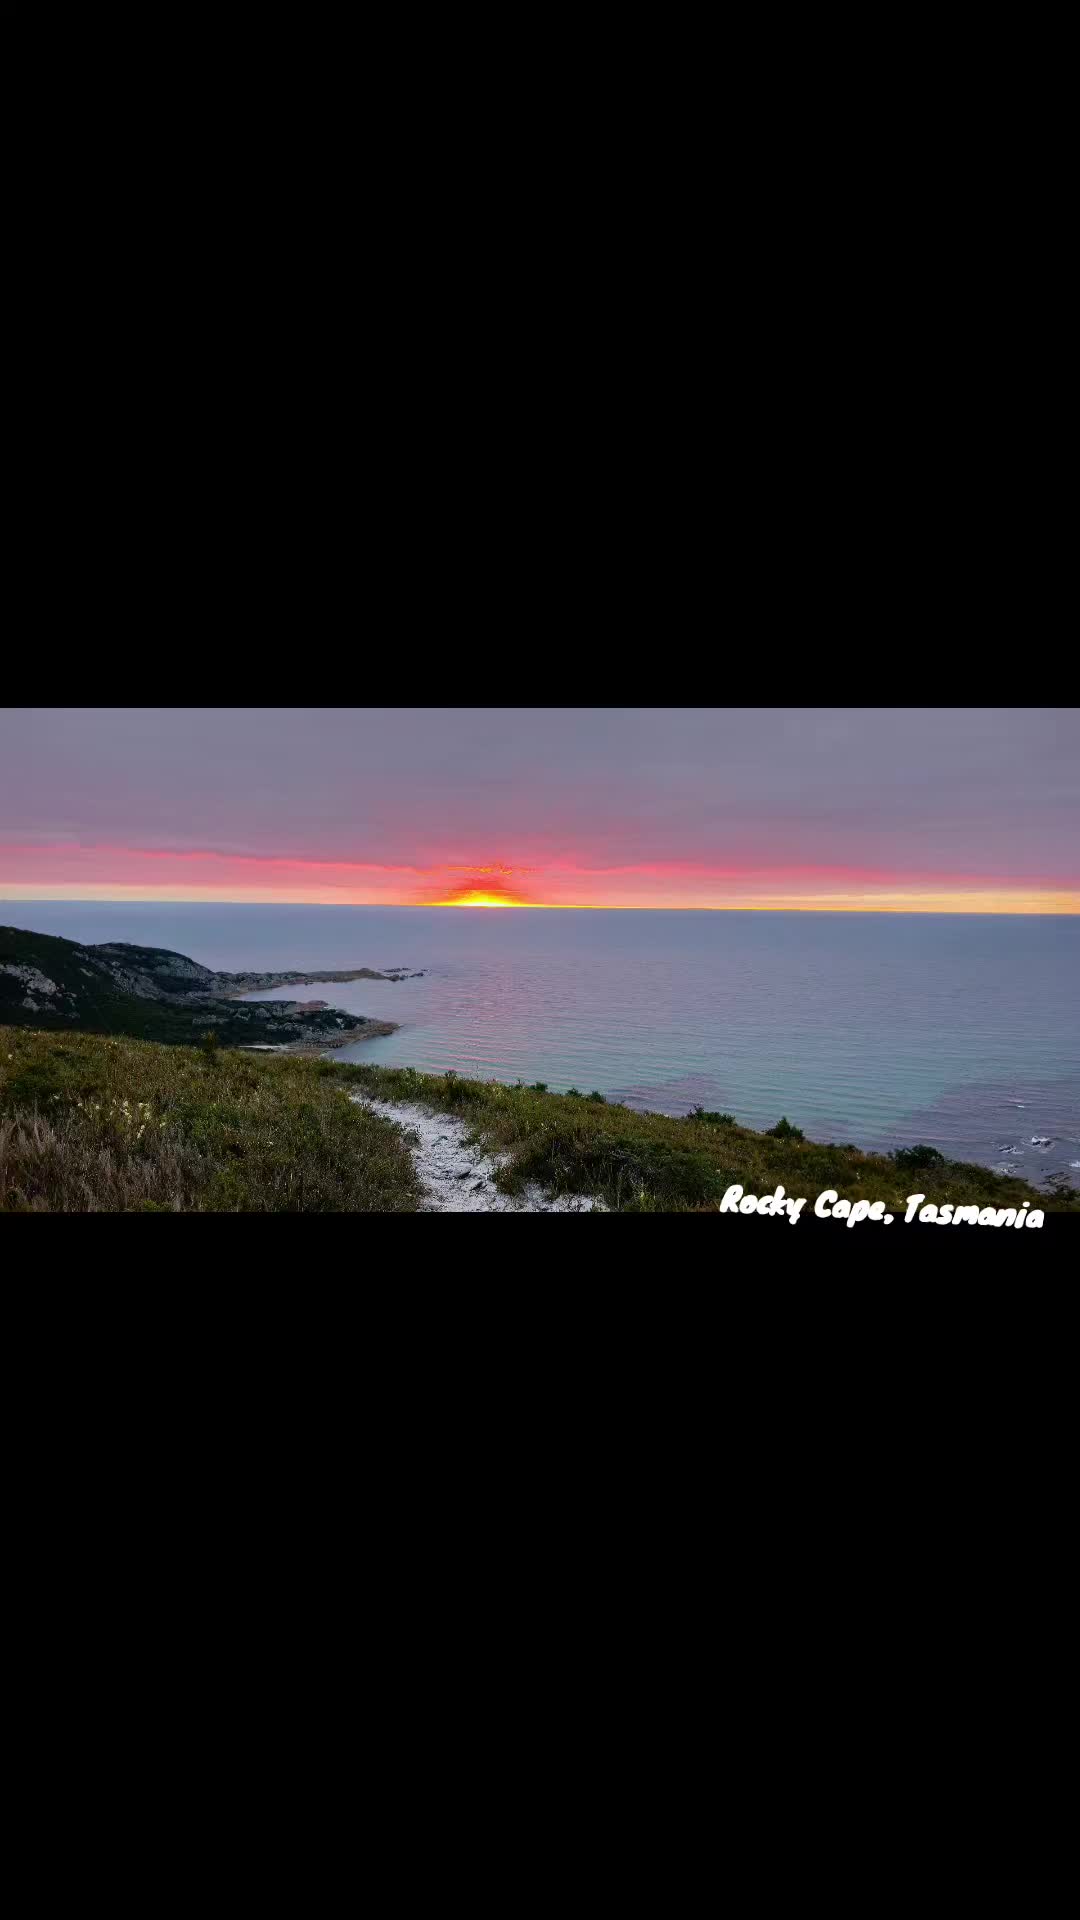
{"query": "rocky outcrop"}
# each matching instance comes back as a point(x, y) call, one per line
point(30, 977)
point(288, 1023)
point(150, 991)
point(153, 973)
point(231, 984)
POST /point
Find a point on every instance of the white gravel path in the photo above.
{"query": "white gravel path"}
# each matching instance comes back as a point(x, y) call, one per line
point(460, 1179)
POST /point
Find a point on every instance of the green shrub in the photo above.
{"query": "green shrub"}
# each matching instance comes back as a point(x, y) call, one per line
point(914, 1157)
point(784, 1130)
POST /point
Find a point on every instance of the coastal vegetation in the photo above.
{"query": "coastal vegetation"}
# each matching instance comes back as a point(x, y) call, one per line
point(92, 1122)
point(649, 1162)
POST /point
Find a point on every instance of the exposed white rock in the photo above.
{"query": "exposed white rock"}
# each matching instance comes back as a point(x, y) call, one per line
point(460, 1179)
point(29, 976)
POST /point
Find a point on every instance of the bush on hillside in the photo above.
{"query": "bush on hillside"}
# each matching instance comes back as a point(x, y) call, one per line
point(915, 1157)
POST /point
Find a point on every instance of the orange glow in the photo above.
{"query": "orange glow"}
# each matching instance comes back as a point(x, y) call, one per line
point(895, 900)
point(474, 898)
point(77, 870)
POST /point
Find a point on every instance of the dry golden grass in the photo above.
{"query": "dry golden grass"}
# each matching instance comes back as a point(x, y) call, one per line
point(92, 1124)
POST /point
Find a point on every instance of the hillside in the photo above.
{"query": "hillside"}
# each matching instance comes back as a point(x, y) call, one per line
point(649, 1162)
point(48, 983)
point(90, 1124)
point(94, 1123)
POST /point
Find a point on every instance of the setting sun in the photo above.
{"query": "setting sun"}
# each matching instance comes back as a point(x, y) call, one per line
point(473, 898)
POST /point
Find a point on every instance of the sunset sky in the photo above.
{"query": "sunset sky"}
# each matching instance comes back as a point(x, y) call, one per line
point(949, 810)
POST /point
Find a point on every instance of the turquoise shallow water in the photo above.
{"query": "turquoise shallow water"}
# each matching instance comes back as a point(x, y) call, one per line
point(883, 1029)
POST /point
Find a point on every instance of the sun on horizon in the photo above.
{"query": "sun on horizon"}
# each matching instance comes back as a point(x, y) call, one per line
point(473, 897)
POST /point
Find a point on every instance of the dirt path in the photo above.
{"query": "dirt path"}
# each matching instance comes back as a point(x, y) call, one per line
point(460, 1179)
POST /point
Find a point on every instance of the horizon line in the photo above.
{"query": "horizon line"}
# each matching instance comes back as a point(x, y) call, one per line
point(553, 906)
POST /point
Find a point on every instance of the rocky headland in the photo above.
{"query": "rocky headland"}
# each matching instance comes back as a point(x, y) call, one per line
point(155, 994)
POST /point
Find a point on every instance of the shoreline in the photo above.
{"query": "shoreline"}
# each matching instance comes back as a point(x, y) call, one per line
point(241, 984)
point(245, 988)
point(371, 1030)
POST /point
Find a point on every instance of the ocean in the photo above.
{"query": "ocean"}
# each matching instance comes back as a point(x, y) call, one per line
point(961, 1031)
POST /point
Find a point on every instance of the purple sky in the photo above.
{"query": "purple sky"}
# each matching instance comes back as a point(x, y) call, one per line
point(623, 806)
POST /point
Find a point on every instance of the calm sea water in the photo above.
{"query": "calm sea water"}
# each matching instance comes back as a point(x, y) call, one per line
point(883, 1029)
